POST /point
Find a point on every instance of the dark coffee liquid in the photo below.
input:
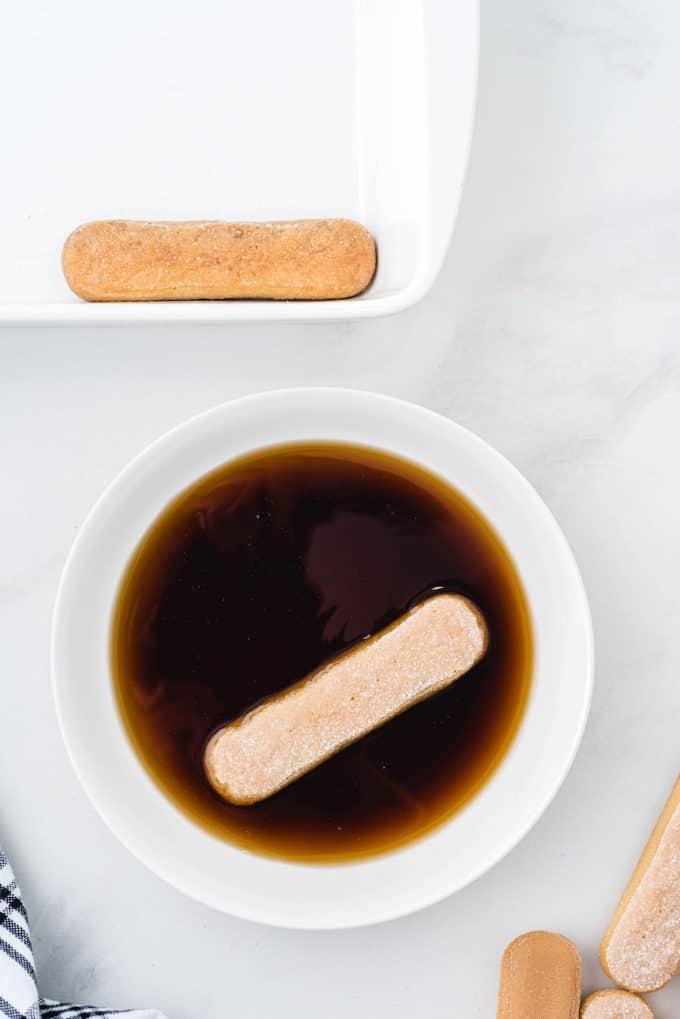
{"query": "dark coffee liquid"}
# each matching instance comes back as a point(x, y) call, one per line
point(268, 567)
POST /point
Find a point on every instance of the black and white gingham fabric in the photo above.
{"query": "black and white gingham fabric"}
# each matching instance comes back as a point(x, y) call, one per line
point(19, 996)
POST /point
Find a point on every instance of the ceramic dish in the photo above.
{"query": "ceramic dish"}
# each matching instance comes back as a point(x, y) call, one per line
point(362, 110)
point(381, 887)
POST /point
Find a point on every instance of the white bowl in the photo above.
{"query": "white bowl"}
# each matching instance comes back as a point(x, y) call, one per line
point(379, 888)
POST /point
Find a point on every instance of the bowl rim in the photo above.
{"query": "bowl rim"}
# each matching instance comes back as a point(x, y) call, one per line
point(341, 918)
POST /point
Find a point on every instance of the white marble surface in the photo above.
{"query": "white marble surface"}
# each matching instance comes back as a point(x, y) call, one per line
point(553, 332)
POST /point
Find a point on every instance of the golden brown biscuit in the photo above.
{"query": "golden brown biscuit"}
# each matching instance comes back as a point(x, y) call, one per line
point(540, 978)
point(615, 1004)
point(306, 260)
point(641, 949)
point(293, 732)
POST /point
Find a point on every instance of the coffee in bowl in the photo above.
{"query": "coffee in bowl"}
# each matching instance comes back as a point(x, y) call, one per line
point(272, 566)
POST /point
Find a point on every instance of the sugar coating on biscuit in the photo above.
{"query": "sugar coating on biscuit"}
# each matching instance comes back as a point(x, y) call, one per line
point(293, 732)
point(642, 950)
point(615, 1004)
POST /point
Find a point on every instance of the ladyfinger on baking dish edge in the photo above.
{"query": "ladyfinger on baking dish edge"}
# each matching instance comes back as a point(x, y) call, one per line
point(615, 1004)
point(540, 978)
point(641, 949)
point(304, 259)
point(291, 733)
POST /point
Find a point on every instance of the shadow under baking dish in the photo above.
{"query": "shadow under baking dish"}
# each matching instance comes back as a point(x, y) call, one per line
point(266, 568)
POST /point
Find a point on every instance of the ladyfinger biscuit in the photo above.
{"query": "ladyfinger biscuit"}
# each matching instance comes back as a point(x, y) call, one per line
point(305, 260)
point(293, 732)
point(615, 1004)
point(540, 978)
point(641, 949)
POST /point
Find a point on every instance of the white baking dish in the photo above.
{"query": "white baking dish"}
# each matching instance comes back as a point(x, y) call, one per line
point(233, 110)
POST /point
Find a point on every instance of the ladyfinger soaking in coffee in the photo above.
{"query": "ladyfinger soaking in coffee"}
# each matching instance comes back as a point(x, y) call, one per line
point(284, 738)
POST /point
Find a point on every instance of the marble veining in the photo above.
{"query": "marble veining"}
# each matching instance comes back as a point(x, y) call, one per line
point(553, 332)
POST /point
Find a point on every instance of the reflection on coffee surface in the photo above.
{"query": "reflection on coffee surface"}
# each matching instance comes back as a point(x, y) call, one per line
point(269, 567)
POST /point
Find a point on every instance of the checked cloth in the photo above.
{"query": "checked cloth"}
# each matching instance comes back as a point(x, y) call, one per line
point(19, 995)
